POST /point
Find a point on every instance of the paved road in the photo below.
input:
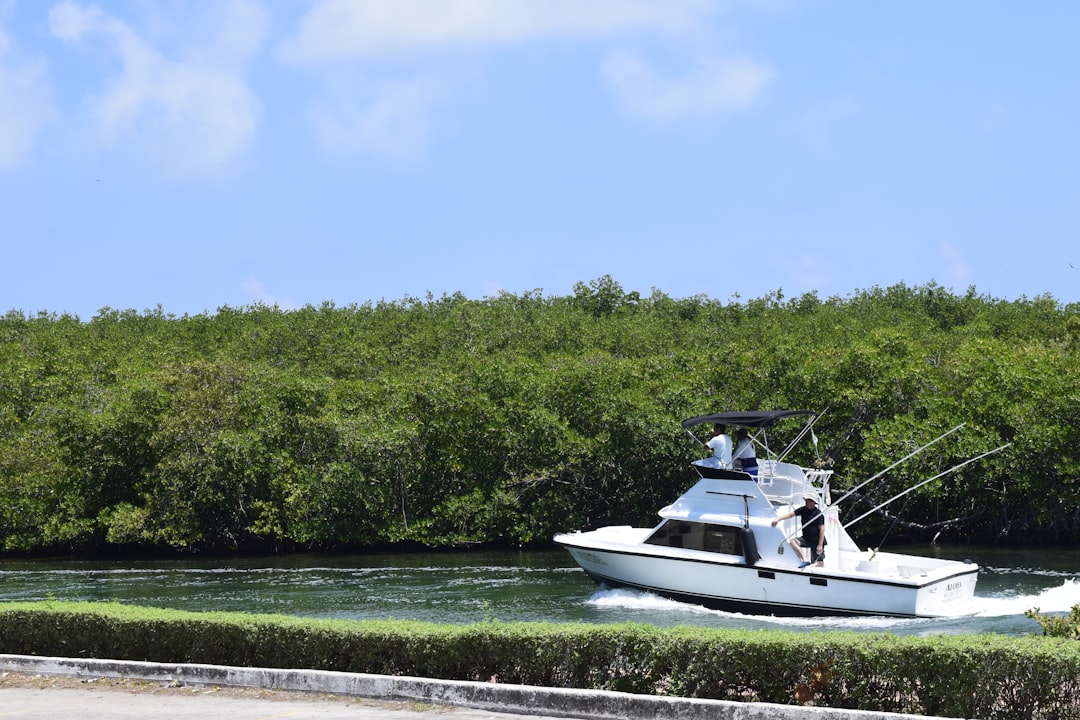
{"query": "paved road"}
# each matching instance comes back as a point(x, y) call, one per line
point(48, 698)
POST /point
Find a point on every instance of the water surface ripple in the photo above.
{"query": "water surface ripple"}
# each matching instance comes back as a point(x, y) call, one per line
point(506, 586)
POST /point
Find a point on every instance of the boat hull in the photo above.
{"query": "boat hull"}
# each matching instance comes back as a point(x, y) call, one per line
point(735, 586)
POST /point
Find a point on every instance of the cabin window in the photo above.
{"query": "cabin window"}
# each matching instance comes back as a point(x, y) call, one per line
point(698, 536)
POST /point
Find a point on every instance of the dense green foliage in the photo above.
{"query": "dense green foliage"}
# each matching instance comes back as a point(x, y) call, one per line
point(989, 676)
point(451, 421)
point(1057, 625)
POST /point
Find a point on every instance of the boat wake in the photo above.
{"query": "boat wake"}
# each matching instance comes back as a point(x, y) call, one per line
point(1051, 600)
point(638, 600)
point(649, 608)
point(646, 607)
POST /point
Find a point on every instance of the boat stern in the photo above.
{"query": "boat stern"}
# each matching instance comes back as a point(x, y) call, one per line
point(952, 595)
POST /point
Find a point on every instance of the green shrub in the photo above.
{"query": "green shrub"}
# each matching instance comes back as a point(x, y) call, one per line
point(1057, 626)
point(985, 676)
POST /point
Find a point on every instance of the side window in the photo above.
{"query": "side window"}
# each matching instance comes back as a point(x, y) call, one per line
point(723, 540)
point(697, 536)
point(673, 533)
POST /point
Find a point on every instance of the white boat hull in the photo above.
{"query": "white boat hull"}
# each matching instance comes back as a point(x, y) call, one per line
point(741, 541)
point(729, 583)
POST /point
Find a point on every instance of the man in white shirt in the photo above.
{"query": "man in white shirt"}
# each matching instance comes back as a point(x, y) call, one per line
point(720, 446)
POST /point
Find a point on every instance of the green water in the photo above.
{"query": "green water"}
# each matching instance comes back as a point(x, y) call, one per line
point(504, 586)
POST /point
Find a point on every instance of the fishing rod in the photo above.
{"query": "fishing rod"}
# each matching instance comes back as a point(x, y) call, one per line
point(889, 530)
point(802, 433)
point(924, 482)
point(695, 439)
point(875, 477)
point(911, 454)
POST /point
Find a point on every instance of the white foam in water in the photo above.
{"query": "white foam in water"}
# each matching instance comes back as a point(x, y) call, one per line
point(673, 610)
point(635, 600)
point(1051, 600)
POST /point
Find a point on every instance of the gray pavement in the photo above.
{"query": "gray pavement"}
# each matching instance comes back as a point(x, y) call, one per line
point(98, 701)
point(185, 691)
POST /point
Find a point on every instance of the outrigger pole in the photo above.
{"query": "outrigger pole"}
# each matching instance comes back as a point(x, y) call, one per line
point(798, 438)
point(802, 433)
point(901, 460)
point(916, 451)
point(924, 482)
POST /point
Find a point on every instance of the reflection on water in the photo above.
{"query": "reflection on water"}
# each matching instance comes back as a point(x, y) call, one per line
point(526, 586)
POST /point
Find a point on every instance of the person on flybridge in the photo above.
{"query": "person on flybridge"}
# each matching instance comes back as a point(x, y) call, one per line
point(744, 456)
point(720, 446)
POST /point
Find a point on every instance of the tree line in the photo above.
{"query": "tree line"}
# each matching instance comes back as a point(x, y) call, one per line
point(447, 422)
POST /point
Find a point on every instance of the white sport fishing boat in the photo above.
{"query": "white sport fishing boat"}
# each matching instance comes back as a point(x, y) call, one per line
point(718, 546)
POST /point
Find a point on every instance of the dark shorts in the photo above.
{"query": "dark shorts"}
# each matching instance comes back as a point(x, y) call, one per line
point(803, 542)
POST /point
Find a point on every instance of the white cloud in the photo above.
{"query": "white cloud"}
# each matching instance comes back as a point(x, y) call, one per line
point(338, 29)
point(25, 105)
point(714, 86)
point(390, 120)
point(242, 27)
point(395, 118)
point(191, 117)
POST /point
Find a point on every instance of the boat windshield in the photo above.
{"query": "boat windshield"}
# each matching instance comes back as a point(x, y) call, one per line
point(698, 536)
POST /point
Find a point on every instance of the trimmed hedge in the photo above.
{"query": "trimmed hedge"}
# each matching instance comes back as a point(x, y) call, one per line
point(984, 676)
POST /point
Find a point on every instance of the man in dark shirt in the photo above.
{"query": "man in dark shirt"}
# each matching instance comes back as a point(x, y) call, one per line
point(813, 531)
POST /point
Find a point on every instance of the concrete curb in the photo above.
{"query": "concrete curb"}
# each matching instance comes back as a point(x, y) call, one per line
point(493, 697)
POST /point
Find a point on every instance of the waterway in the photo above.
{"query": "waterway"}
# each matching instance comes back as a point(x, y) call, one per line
point(507, 586)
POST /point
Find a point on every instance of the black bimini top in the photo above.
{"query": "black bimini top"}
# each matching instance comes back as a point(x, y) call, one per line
point(761, 419)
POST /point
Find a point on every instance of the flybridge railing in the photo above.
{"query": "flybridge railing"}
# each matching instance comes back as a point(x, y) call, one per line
point(785, 482)
point(819, 480)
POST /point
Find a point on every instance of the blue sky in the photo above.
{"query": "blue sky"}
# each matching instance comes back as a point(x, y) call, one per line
point(193, 155)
